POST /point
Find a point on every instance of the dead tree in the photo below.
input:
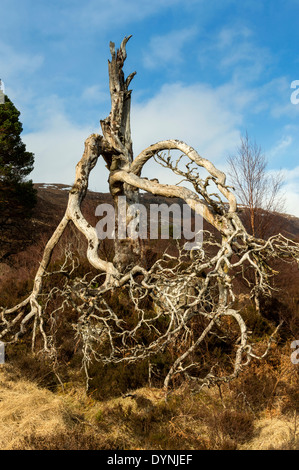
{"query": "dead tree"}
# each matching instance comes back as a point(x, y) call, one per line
point(191, 294)
point(258, 191)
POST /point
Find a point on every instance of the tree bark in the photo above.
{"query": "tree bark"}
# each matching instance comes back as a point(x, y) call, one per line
point(117, 132)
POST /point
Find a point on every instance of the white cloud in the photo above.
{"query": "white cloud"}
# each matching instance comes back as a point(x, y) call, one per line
point(227, 37)
point(234, 51)
point(104, 14)
point(94, 93)
point(291, 194)
point(291, 190)
point(206, 118)
point(58, 145)
point(166, 49)
point(18, 71)
point(57, 148)
point(14, 64)
point(281, 146)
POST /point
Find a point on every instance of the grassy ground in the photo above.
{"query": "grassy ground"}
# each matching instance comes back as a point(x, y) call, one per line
point(257, 411)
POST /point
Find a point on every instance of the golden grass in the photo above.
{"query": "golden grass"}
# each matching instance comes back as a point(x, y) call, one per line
point(26, 409)
point(273, 433)
point(35, 418)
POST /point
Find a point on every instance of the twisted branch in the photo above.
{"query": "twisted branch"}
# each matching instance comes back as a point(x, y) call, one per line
point(184, 300)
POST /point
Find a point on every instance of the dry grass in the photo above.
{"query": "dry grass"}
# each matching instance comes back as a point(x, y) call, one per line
point(32, 417)
point(25, 409)
point(274, 434)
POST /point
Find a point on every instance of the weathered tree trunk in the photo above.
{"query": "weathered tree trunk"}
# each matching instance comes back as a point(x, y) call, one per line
point(117, 131)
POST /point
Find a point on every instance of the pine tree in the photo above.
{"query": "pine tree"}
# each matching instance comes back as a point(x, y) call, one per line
point(17, 194)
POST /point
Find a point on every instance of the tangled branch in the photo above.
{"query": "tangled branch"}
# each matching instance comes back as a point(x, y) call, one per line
point(184, 301)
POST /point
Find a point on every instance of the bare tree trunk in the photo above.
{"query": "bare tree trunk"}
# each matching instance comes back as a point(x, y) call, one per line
point(117, 131)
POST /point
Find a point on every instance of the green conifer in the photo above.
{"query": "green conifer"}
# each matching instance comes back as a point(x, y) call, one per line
point(17, 194)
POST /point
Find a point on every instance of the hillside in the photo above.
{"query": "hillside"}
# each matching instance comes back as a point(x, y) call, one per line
point(52, 201)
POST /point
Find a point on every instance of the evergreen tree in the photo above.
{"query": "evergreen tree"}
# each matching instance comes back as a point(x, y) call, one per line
point(17, 195)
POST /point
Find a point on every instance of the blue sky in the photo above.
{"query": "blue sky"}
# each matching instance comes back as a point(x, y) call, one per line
point(207, 71)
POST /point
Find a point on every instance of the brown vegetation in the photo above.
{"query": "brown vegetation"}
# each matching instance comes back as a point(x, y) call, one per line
point(45, 407)
point(258, 411)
